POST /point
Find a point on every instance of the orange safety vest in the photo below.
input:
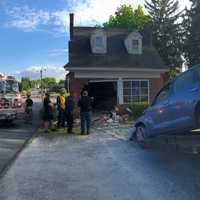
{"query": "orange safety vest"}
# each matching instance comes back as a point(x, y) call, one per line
point(62, 101)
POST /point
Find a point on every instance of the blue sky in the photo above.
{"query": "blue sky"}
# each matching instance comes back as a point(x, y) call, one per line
point(34, 33)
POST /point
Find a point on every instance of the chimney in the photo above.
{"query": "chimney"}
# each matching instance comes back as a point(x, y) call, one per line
point(71, 25)
point(148, 34)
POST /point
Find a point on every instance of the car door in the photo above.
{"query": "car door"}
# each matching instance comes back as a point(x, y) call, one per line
point(160, 111)
point(185, 93)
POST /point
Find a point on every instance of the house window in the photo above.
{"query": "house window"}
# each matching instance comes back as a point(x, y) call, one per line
point(99, 41)
point(135, 45)
point(136, 91)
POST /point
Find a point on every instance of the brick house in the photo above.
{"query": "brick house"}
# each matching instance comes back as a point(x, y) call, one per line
point(117, 66)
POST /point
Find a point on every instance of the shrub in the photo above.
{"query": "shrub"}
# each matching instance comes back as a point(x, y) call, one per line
point(137, 109)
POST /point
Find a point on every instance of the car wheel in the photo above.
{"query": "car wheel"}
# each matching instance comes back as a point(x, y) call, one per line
point(140, 133)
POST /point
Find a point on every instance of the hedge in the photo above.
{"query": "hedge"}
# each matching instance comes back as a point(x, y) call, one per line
point(137, 109)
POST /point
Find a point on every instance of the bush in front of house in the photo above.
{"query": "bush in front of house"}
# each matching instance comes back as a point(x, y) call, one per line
point(138, 108)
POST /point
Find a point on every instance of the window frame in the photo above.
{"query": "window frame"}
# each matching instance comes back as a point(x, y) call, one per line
point(99, 43)
point(139, 87)
point(132, 45)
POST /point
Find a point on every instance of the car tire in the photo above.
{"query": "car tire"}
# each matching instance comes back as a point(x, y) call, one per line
point(197, 116)
point(140, 133)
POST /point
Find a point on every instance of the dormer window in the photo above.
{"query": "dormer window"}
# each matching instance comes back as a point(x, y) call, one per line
point(98, 42)
point(133, 43)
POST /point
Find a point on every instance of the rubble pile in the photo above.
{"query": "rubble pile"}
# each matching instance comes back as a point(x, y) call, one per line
point(119, 117)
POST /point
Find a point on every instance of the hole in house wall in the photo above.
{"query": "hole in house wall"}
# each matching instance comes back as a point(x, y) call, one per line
point(105, 95)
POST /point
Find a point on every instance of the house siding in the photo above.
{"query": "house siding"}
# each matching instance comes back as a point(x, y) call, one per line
point(76, 86)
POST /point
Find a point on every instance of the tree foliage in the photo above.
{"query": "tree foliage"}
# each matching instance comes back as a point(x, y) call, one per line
point(47, 83)
point(126, 17)
point(25, 84)
point(192, 33)
point(166, 30)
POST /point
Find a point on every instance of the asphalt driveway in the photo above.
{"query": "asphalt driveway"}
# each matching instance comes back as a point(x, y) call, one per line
point(14, 136)
point(100, 167)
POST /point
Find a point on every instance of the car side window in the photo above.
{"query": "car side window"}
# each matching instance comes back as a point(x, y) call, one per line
point(163, 95)
point(185, 81)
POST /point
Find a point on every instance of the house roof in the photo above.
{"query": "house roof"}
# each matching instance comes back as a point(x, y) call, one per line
point(80, 54)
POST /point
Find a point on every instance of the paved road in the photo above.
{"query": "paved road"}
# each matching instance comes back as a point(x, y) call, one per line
point(13, 137)
point(99, 167)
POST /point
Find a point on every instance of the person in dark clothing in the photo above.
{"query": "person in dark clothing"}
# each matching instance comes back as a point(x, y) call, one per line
point(69, 108)
point(28, 109)
point(61, 109)
point(48, 112)
point(85, 108)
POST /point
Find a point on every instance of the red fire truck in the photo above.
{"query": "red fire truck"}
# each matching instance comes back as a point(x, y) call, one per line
point(11, 105)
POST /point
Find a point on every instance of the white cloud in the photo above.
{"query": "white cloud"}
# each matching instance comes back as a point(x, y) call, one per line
point(87, 13)
point(33, 72)
point(98, 11)
point(94, 12)
point(27, 18)
point(61, 20)
point(58, 52)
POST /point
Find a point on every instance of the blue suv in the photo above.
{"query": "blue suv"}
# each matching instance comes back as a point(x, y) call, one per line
point(175, 109)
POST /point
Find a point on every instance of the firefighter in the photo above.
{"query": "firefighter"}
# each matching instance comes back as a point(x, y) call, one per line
point(84, 104)
point(69, 109)
point(61, 109)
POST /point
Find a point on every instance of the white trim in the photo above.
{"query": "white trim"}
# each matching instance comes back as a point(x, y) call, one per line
point(102, 80)
point(120, 95)
point(121, 69)
point(129, 43)
point(98, 75)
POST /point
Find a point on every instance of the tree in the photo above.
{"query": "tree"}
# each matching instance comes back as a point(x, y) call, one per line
point(62, 82)
point(25, 83)
point(166, 30)
point(126, 17)
point(192, 33)
point(48, 82)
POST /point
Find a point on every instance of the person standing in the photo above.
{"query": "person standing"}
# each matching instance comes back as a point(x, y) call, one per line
point(28, 109)
point(69, 108)
point(61, 109)
point(48, 112)
point(85, 108)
